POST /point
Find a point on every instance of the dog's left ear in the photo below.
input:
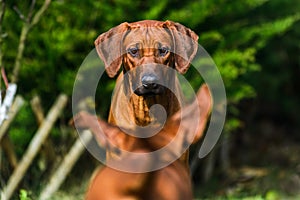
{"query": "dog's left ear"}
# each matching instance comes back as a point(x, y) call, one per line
point(200, 109)
point(185, 45)
point(108, 46)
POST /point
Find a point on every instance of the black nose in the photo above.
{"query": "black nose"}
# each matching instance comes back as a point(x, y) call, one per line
point(149, 81)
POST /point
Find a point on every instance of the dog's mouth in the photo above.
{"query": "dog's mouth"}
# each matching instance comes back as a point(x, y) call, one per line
point(150, 91)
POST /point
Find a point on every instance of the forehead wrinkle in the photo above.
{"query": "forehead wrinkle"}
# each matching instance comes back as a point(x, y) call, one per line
point(132, 39)
point(147, 37)
point(159, 35)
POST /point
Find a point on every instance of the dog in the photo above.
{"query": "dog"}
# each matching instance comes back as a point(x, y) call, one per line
point(148, 52)
point(170, 182)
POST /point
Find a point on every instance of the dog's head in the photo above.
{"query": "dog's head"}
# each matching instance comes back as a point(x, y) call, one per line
point(144, 49)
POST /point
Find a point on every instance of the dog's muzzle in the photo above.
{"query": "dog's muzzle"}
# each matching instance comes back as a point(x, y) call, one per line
point(149, 86)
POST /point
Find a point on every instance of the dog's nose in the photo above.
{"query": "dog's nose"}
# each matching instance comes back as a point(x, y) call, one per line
point(149, 81)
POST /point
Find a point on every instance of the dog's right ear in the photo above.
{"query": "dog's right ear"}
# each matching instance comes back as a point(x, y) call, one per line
point(108, 46)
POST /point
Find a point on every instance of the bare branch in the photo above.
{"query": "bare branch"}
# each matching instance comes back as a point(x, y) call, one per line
point(23, 37)
point(40, 12)
point(31, 9)
point(17, 10)
point(25, 30)
point(13, 111)
point(2, 11)
point(34, 146)
point(3, 74)
point(66, 166)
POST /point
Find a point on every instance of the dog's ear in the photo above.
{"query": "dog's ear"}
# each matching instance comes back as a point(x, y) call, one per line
point(200, 109)
point(108, 46)
point(185, 45)
point(205, 103)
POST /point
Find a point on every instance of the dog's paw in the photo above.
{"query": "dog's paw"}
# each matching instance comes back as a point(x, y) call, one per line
point(83, 120)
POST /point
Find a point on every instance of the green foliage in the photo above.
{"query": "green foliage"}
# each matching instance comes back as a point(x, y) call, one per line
point(153, 12)
point(272, 195)
point(24, 195)
point(22, 129)
point(234, 32)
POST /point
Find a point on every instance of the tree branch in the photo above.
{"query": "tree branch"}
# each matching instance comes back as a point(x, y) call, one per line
point(34, 146)
point(31, 10)
point(16, 9)
point(36, 18)
point(24, 33)
point(2, 11)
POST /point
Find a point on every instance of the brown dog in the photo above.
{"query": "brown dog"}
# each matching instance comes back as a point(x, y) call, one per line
point(170, 182)
point(149, 51)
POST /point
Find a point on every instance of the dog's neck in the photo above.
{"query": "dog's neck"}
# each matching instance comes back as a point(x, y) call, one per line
point(141, 105)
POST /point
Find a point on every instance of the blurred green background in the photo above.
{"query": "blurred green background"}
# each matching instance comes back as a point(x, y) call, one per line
point(255, 45)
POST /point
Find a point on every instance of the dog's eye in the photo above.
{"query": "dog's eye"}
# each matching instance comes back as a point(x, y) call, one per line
point(163, 51)
point(134, 52)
